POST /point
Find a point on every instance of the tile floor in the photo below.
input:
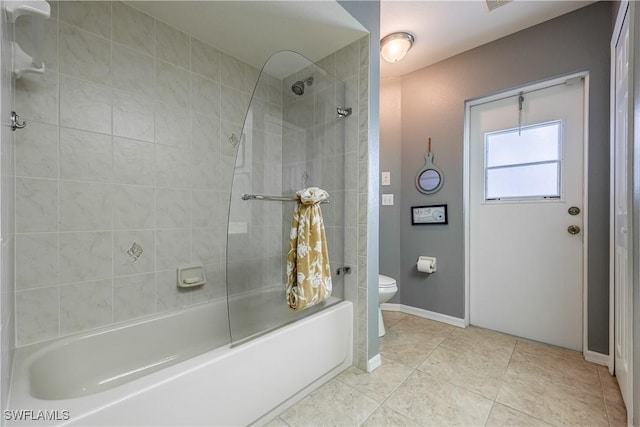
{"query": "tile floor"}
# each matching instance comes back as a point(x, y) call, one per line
point(435, 374)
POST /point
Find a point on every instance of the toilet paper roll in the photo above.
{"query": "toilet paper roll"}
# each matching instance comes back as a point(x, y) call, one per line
point(426, 264)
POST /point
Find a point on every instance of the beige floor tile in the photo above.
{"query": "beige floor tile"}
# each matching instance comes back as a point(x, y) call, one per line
point(406, 348)
point(610, 387)
point(503, 416)
point(377, 384)
point(541, 349)
point(424, 327)
point(333, 404)
point(276, 422)
point(616, 413)
point(433, 402)
point(473, 370)
point(481, 340)
point(556, 367)
point(392, 317)
point(550, 401)
point(385, 417)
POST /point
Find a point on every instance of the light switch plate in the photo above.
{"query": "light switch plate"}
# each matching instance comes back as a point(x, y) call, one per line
point(387, 199)
point(386, 178)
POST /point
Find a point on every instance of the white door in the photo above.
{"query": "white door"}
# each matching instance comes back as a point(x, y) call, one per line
point(526, 211)
point(621, 221)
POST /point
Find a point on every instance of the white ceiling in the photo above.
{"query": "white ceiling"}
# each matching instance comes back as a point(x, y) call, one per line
point(446, 28)
point(254, 30)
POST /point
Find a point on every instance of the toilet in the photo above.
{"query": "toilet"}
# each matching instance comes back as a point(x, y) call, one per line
point(387, 288)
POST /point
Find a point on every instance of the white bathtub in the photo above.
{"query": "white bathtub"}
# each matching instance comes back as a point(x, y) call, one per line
point(172, 370)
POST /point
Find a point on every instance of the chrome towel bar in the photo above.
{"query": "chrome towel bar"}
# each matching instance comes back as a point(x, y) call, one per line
point(268, 198)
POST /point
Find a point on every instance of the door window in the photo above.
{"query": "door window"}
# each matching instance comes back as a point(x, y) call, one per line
point(524, 163)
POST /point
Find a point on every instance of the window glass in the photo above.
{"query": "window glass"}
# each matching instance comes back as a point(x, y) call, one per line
point(523, 163)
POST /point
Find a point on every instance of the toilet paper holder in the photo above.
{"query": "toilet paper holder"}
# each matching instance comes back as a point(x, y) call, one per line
point(427, 264)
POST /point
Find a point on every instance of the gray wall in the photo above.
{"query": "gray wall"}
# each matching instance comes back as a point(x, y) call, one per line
point(433, 106)
point(390, 161)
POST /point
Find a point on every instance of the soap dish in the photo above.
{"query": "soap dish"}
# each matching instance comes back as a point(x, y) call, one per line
point(190, 276)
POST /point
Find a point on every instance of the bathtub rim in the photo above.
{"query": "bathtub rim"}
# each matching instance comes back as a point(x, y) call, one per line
point(81, 407)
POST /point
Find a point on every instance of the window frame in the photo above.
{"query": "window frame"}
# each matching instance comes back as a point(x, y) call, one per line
point(533, 198)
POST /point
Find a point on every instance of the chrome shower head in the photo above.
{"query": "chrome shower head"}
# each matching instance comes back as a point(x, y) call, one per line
point(298, 87)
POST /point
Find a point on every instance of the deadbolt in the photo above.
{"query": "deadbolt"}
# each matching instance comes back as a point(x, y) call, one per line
point(574, 210)
point(573, 229)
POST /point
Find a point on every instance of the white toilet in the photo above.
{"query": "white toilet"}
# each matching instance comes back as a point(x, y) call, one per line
point(387, 288)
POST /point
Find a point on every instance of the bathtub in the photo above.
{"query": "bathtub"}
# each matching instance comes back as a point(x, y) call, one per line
point(178, 369)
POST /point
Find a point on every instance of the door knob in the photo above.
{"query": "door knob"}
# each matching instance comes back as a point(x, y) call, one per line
point(573, 229)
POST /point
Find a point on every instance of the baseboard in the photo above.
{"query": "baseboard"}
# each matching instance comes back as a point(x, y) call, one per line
point(598, 358)
point(432, 315)
point(374, 363)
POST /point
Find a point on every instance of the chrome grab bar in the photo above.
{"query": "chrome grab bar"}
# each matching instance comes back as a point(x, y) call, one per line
point(268, 198)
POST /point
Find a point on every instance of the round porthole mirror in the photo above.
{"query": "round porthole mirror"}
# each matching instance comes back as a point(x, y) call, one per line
point(429, 179)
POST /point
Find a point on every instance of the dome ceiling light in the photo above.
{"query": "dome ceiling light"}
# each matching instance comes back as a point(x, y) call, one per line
point(395, 46)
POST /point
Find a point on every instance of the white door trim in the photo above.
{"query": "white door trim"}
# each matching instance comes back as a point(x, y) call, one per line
point(622, 11)
point(466, 186)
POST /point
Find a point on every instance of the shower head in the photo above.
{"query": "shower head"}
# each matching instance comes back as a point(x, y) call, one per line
point(298, 87)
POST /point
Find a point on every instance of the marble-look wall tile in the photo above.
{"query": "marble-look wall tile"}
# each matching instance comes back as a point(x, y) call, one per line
point(205, 60)
point(133, 117)
point(85, 305)
point(133, 207)
point(36, 260)
point(173, 208)
point(37, 97)
point(133, 162)
point(85, 206)
point(172, 84)
point(36, 151)
point(172, 45)
point(36, 205)
point(85, 256)
point(173, 167)
point(85, 155)
point(94, 16)
point(171, 126)
point(204, 208)
point(133, 71)
point(207, 245)
point(233, 105)
point(205, 96)
point(84, 55)
point(37, 315)
point(85, 105)
point(232, 73)
point(173, 248)
point(169, 296)
point(133, 296)
point(133, 28)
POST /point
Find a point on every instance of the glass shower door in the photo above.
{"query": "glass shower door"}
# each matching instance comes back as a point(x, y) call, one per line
point(292, 139)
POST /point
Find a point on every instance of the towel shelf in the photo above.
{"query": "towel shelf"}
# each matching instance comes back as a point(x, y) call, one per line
point(267, 198)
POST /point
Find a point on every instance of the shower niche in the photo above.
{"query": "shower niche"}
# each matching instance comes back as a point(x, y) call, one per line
point(293, 138)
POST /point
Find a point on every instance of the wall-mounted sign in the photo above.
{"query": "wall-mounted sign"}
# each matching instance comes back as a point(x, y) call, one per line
point(425, 215)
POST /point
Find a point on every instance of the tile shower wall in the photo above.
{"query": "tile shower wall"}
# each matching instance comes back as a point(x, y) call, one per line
point(7, 229)
point(127, 142)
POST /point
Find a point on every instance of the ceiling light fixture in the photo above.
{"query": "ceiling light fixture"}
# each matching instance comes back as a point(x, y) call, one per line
point(395, 46)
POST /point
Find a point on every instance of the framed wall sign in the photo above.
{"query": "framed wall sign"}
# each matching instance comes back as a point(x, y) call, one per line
point(427, 215)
